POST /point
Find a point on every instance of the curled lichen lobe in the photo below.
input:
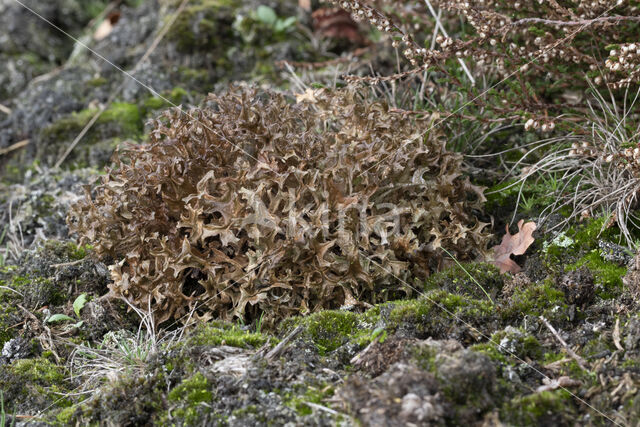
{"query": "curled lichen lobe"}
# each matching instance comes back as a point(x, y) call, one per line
point(254, 204)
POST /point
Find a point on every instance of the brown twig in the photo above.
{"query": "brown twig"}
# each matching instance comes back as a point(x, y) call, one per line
point(66, 264)
point(12, 290)
point(15, 146)
point(322, 64)
point(29, 314)
point(585, 22)
point(616, 335)
point(277, 350)
point(579, 360)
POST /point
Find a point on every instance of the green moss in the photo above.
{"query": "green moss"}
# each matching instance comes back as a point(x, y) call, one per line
point(65, 416)
point(127, 115)
point(468, 280)
point(327, 329)
point(78, 252)
point(248, 410)
point(509, 342)
point(40, 370)
point(34, 382)
point(97, 82)
point(130, 400)
point(154, 103)
point(221, 333)
point(8, 311)
point(606, 274)
point(29, 291)
point(587, 235)
point(331, 329)
point(120, 119)
point(536, 299)
point(204, 25)
point(491, 351)
point(187, 396)
point(177, 96)
point(432, 313)
point(424, 357)
point(545, 408)
point(308, 394)
point(532, 195)
point(579, 245)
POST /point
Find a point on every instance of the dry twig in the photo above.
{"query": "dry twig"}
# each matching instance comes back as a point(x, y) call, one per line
point(585, 22)
point(277, 350)
point(579, 360)
point(616, 335)
point(15, 146)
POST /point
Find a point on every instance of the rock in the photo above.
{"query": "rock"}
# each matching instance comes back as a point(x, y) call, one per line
point(632, 334)
point(632, 279)
point(14, 349)
point(614, 253)
point(403, 395)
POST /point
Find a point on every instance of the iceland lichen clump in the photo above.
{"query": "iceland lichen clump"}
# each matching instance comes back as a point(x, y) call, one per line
point(257, 205)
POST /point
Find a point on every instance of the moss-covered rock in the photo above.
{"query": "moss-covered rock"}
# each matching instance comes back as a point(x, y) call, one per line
point(143, 396)
point(509, 342)
point(119, 121)
point(607, 275)
point(46, 281)
point(438, 314)
point(546, 408)
point(535, 299)
point(473, 279)
point(218, 333)
point(186, 398)
point(32, 385)
point(328, 329)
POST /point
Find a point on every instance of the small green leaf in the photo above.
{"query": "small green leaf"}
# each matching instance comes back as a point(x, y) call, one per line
point(59, 318)
point(379, 332)
point(266, 15)
point(283, 25)
point(79, 303)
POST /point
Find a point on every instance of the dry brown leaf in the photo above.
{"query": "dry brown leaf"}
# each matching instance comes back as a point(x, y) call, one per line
point(515, 244)
point(336, 23)
point(106, 26)
point(305, 4)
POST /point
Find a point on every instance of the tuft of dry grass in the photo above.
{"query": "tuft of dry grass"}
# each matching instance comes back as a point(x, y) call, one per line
point(596, 166)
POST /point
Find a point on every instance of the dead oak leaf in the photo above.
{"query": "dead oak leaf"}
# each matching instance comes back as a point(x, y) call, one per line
point(336, 23)
point(515, 244)
point(106, 26)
